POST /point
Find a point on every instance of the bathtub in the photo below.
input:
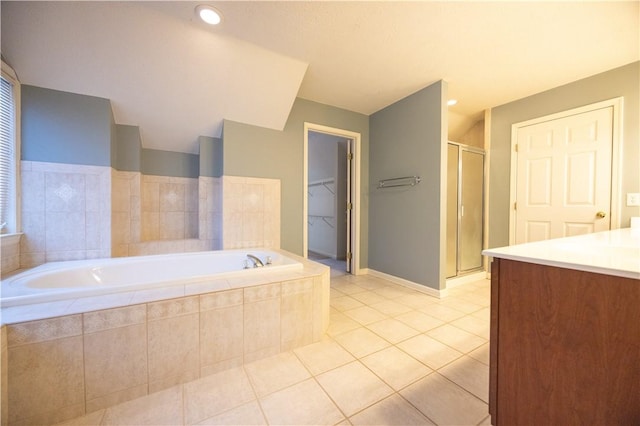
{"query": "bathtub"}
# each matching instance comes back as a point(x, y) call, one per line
point(82, 278)
point(95, 333)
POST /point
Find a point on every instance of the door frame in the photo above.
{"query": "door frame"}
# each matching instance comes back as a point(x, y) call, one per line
point(355, 189)
point(616, 155)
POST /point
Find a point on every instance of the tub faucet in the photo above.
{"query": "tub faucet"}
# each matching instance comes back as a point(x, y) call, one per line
point(257, 263)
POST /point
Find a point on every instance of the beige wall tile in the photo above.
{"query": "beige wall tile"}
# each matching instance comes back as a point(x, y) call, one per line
point(120, 195)
point(172, 197)
point(221, 335)
point(44, 378)
point(173, 345)
point(32, 186)
point(172, 308)
point(115, 360)
point(150, 196)
point(221, 299)
point(150, 226)
point(261, 328)
point(44, 330)
point(297, 313)
point(171, 226)
point(114, 318)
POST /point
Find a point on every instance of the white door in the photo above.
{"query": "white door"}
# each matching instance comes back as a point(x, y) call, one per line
point(563, 183)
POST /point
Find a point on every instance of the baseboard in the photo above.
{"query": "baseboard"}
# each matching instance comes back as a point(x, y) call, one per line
point(406, 283)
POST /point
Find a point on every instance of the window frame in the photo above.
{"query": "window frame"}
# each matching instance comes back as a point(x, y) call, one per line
point(14, 227)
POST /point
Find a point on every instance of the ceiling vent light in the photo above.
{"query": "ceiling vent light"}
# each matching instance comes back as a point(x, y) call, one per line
point(452, 102)
point(209, 14)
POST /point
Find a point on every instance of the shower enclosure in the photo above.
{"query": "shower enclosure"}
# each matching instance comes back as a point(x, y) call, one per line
point(465, 210)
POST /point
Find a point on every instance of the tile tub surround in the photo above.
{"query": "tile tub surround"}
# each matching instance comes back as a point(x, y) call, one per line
point(63, 367)
point(66, 212)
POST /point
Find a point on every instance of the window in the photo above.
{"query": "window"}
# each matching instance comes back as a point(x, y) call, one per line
point(9, 150)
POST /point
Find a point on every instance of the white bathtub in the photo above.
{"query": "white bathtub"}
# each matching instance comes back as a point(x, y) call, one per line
point(84, 278)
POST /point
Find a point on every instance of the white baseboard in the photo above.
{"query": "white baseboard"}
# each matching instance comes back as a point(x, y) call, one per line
point(406, 283)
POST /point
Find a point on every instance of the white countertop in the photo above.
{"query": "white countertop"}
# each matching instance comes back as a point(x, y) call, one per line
point(615, 252)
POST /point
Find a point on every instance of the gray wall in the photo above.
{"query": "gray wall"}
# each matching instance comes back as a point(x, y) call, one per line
point(258, 152)
point(169, 163)
point(406, 224)
point(61, 127)
point(211, 156)
point(127, 148)
point(623, 81)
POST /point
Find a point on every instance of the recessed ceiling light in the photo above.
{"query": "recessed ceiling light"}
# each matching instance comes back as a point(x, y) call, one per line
point(452, 102)
point(209, 14)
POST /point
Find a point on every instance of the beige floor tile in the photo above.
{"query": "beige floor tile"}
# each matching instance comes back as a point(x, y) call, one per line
point(394, 410)
point(160, 408)
point(365, 315)
point(486, 422)
point(340, 323)
point(361, 342)
point(474, 297)
point(391, 307)
point(481, 354)
point(393, 330)
point(416, 301)
point(345, 302)
point(212, 395)
point(302, 404)
point(483, 314)
point(323, 356)
point(429, 351)
point(369, 297)
point(347, 288)
point(461, 305)
point(353, 387)
point(90, 419)
point(372, 283)
point(394, 291)
point(444, 402)
point(395, 367)
point(458, 339)
point(442, 312)
point(247, 414)
point(420, 321)
point(335, 293)
point(277, 372)
point(473, 325)
point(470, 374)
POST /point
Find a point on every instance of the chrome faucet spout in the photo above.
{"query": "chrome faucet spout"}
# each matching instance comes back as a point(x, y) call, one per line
point(257, 263)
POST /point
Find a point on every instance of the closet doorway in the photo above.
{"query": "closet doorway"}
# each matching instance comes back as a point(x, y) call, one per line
point(465, 209)
point(331, 198)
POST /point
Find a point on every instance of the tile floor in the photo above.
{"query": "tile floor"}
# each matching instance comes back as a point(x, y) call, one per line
point(392, 356)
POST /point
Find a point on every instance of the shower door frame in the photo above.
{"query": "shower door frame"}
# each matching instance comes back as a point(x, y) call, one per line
point(459, 214)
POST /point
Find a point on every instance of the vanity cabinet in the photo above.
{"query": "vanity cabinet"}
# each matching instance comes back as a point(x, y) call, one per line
point(565, 344)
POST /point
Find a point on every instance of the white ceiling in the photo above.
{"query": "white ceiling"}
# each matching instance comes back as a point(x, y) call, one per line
point(177, 78)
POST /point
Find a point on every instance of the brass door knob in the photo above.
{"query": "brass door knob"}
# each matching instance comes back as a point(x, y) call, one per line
point(601, 215)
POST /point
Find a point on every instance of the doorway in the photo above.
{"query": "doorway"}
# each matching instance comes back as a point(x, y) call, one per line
point(563, 179)
point(331, 198)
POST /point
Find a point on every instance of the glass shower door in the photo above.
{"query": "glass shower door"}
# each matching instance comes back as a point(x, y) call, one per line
point(471, 210)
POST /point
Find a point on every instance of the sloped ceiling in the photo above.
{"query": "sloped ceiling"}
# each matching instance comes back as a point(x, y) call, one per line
point(177, 78)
